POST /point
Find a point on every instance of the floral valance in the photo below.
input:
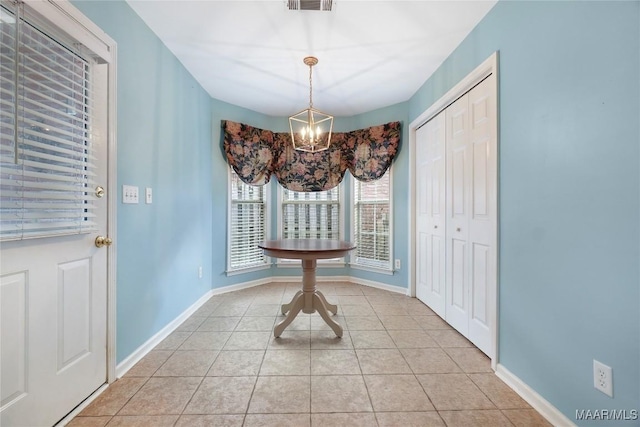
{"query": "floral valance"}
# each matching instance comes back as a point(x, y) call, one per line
point(255, 154)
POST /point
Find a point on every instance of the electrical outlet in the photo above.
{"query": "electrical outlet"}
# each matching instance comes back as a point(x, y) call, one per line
point(397, 265)
point(603, 378)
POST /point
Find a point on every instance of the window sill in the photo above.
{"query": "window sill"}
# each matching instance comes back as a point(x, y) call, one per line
point(296, 264)
point(372, 269)
point(248, 269)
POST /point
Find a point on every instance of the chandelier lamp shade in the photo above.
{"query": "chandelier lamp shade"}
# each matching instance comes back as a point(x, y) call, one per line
point(311, 129)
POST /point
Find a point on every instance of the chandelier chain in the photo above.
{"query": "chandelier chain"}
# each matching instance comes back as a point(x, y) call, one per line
point(310, 88)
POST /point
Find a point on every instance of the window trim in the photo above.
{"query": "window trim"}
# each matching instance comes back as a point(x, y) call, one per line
point(352, 260)
point(267, 209)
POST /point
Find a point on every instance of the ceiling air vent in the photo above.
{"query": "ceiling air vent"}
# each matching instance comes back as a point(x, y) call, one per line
point(309, 4)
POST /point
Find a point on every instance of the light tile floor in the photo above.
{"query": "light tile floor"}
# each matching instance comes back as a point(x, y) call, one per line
point(398, 364)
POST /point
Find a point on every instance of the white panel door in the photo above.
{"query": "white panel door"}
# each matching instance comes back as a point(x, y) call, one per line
point(53, 294)
point(430, 214)
point(458, 181)
point(482, 219)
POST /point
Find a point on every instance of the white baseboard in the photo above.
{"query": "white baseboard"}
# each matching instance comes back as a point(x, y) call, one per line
point(379, 285)
point(145, 348)
point(240, 286)
point(537, 402)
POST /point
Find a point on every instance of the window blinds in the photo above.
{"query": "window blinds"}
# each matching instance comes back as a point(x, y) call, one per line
point(46, 165)
point(311, 215)
point(248, 224)
point(372, 223)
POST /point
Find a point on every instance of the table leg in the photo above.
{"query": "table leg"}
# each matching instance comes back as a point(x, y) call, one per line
point(331, 307)
point(308, 284)
point(287, 307)
point(308, 300)
point(295, 306)
point(322, 310)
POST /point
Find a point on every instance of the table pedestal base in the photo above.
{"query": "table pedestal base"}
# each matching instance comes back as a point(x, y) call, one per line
point(308, 300)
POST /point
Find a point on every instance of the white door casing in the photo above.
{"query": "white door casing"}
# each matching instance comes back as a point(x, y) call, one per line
point(56, 347)
point(430, 214)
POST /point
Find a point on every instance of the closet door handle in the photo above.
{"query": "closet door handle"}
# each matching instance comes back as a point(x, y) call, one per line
point(458, 229)
point(435, 226)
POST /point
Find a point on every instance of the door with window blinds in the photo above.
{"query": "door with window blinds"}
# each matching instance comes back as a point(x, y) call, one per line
point(53, 281)
point(456, 214)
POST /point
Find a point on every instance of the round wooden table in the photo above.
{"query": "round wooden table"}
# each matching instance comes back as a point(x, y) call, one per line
point(309, 299)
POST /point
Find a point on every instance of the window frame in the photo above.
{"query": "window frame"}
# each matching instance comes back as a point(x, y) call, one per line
point(265, 264)
point(389, 268)
point(334, 262)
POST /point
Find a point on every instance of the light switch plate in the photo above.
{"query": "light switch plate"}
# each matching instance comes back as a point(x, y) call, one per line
point(148, 194)
point(129, 194)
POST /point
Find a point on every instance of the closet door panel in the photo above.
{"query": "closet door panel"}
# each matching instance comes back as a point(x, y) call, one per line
point(458, 209)
point(457, 314)
point(479, 279)
point(422, 203)
point(480, 193)
point(482, 221)
point(458, 190)
point(437, 266)
point(430, 215)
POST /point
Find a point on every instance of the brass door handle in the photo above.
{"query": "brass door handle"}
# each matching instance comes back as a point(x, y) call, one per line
point(103, 241)
point(99, 192)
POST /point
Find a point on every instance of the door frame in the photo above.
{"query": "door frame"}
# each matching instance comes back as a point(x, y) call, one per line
point(66, 17)
point(482, 71)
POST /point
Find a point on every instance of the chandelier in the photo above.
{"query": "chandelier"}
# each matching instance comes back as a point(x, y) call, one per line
point(309, 127)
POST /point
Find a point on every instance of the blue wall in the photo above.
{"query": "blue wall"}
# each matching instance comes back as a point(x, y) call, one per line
point(569, 192)
point(164, 142)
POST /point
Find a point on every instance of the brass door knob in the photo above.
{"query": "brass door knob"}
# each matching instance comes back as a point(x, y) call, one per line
point(103, 241)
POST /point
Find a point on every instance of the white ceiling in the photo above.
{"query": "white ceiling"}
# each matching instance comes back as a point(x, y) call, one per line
point(371, 53)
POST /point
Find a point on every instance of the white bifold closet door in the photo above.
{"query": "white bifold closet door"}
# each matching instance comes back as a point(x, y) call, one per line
point(459, 247)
